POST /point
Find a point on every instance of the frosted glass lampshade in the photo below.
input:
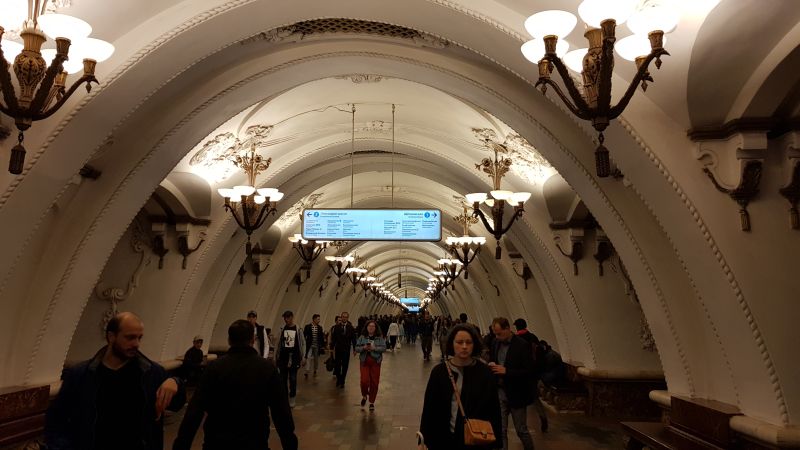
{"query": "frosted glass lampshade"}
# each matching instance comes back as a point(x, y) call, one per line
point(267, 192)
point(654, 16)
point(277, 197)
point(443, 261)
point(595, 11)
point(501, 195)
point(349, 259)
point(62, 25)
point(91, 48)
point(476, 197)
point(12, 14)
point(225, 192)
point(574, 59)
point(559, 23)
point(294, 238)
point(520, 197)
point(450, 240)
point(73, 65)
point(634, 45)
point(330, 258)
point(244, 190)
point(11, 49)
point(533, 50)
point(259, 199)
point(489, 202)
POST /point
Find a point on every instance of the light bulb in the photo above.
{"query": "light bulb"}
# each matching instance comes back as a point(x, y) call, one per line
point(556, 22)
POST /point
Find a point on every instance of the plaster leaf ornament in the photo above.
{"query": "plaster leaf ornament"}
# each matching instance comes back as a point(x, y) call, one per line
point(429, 40)
point(275, 35)
point(257, 133)
point(114, 295)
point(528, 163)
point(485, 134)
point(361, 78)
point(287, 219)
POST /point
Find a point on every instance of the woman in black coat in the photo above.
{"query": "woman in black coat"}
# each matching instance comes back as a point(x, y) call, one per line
point(442, 425)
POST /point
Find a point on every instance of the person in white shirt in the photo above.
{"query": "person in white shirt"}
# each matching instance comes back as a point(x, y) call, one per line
point(393, 333)
point(289, 354)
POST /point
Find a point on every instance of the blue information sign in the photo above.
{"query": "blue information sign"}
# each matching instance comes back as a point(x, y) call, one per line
point(372, 225)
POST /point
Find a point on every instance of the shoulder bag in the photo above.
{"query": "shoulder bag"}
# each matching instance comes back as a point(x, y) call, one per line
point(476, 431)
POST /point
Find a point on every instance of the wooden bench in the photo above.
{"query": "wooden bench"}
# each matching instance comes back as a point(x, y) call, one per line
point(657, 436)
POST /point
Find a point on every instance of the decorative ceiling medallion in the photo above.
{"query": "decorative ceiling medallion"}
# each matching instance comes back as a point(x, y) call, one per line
point(322, 27)
point(287, 219)
point(359, 78)
point(528, 163)
point(213, 160)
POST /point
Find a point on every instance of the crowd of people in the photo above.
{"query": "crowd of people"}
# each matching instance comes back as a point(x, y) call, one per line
point(117, 398)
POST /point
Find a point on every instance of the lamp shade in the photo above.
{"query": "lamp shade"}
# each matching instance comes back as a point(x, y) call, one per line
point(12, 14)
point(267, 192)
point(62, 25)
point(556, 22)
point(72, 65)
point(634, 45)
point(502, 195)
point(654, 15)
point(259, 199)
point(277, 197)
point(574, 59)
point(595, 11)
point(520, 197)
point(244, 190)
point(476, 197)
point(330, 258)
point(227, 193)
point(91, 48)
point(533, 50)
point(11, 49)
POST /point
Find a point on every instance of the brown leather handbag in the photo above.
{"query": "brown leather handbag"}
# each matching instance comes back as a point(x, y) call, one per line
point(476, 431)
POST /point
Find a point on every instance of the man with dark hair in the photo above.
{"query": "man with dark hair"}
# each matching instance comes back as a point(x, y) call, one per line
point(511, 360)
point(315, 341)
point(425, 329)
point(116, 399)
point(261, 343)
point(463, 317)
point(538, 360)
point(193, 361)
point(343, 338)
point(289, 354)
point(237, 393)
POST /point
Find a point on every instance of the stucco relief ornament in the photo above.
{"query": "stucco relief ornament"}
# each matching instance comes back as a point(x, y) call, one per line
point(276, 35)
point(114, 295)
point(429, 40)
point(216, 150)
point(375, 126)
point(359, 78)
point(287, 219)
point(528, 163)
point(646, 336)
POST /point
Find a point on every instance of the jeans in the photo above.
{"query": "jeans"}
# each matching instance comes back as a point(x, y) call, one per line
point(340, 368)
point(370, 377)
point(314, 359)
point(289, 373)
point(427, 345)
point(520, 417)
point(392, 342)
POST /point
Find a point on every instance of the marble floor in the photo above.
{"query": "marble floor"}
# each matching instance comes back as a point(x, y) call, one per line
point(330, 418)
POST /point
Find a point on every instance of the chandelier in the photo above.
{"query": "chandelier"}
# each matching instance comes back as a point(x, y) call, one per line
point(355, 274)
point(451, 268)
point(465, 248)
point(596, 64)
point(337, 264)
point(308, 250)
point(250, 206)
point(496, 170)
point(42, 83)
point(366, 282)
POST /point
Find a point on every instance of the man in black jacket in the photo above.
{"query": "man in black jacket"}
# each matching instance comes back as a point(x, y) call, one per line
point(114, 400)
point(260, 341)
point(511, 360)
point(238, 392)
point(315, 343)
point(342, 340)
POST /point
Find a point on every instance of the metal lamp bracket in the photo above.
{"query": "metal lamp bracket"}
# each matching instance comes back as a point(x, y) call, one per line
point(159, 242)
point(188, 234)
point(791, 191)
point(734, 166)
point(526, 273)
point(576, 252)
point(259, 261)
point(603, 250)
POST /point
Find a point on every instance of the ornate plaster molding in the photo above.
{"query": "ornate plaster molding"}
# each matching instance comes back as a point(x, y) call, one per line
point(528, 164)
point(288, 218)
point(362, 78)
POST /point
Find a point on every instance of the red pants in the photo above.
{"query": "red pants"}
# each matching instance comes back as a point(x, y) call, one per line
point(370, 377)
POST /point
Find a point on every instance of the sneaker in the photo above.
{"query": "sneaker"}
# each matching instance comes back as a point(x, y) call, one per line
point(363, 401)
point(372, 406)
point(292, 402)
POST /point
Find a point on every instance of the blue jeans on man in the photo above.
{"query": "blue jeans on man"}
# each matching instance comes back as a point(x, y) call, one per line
point(520, 418)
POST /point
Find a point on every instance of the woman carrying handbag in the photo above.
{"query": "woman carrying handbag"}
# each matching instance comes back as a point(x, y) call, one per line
point(443, 423)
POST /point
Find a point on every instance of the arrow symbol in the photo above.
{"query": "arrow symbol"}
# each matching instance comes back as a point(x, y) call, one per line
point(308, 214)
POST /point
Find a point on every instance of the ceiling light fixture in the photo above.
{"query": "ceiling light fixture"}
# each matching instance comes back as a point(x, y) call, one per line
point(309, 251)
point(42, 84)
point(465, 248)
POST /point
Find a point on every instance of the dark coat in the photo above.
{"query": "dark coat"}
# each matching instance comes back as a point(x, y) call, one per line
point(479, 397)
point(260, 339)
point(343, 338)
point(238, 392)
point(309, 335)
point(70, 420)
point(519, 380)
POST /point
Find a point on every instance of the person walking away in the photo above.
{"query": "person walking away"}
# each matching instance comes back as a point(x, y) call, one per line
point(370, 347)
point(236, 394)
point(511, 361)
point(193, 362)
point(342, 340)
point(442, 424)
point(425, 329)
point(315, 343)
point(289, 354)
point(393, 333)
point(538, 363)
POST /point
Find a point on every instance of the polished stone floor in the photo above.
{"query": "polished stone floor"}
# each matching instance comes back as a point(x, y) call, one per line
point(329, 418)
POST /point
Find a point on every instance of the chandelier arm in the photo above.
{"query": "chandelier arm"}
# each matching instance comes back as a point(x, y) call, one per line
point(88, 79)
point(237, 219)
point(46, 85)
point(615, 111)
point(8, 87)
point(573, 91)
point(5, 110)
point(567, 102)
point(478, 213)
point(262, 215)
point(517, 215)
